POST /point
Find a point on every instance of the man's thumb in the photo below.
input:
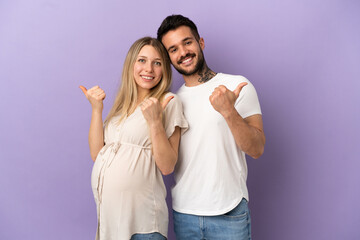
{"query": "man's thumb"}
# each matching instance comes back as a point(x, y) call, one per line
point(238, 89)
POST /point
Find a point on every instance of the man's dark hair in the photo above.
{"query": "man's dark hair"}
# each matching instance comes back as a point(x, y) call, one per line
point(172, 22)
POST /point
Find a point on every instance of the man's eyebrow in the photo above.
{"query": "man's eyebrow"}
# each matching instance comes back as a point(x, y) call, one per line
point(184, 40)
point(188, 38)
point(170, 48)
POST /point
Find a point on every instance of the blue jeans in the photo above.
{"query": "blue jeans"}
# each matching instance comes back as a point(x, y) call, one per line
point(148, 236)
point(233, 225)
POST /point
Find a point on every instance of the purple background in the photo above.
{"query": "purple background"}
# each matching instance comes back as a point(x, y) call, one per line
point(302, 56)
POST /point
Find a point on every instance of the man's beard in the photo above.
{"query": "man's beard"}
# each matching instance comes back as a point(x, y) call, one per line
point(199, 65)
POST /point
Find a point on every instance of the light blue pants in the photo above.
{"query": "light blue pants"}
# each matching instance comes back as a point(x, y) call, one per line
point(148, 236)
point(234, 225)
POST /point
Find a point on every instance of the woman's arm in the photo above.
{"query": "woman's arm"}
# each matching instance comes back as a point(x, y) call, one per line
point(165, 151)
point(95, 95)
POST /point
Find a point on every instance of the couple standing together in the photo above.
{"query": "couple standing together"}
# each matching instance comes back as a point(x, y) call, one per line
point(216, 115)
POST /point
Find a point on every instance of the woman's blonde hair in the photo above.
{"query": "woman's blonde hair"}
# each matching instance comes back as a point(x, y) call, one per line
point(126, 98)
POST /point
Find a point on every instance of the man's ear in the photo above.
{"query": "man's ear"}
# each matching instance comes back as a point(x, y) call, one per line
point(202, 43)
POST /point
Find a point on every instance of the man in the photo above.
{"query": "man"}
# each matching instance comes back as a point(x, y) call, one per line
point(210, 195)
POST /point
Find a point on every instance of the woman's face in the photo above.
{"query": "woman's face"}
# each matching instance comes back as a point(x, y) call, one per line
point(147, 69)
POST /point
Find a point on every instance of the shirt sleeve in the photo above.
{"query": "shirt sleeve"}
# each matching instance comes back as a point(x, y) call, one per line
point(247, 103)
point(174, 116)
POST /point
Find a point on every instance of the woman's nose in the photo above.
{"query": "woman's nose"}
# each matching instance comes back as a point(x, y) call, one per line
point(149, 67)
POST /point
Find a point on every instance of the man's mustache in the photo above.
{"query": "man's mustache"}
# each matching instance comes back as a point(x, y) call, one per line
point(186, 56)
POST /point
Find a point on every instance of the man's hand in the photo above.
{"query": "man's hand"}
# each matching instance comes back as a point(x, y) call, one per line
point(223, 100)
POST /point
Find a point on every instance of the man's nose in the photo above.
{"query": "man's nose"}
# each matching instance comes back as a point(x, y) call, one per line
point(183, 51)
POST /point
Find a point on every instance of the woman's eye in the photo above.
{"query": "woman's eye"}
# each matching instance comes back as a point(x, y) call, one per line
point(158, 63)
point(141, 60)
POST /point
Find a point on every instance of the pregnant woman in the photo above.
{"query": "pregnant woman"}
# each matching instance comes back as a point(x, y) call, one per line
point(137, 142)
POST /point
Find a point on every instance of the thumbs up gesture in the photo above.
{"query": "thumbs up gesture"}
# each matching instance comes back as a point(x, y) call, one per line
point(152, 109)
point(95, 95)
point(223, 100)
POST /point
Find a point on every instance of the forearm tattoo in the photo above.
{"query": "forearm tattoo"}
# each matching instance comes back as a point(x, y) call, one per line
point(205, 74)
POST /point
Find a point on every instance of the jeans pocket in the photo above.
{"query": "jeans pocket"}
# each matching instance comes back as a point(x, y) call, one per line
point(236, 215)
point(240, 211)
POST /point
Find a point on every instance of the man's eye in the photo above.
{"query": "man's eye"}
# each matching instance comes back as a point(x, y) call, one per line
point(173, 50)
point(188, 42)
